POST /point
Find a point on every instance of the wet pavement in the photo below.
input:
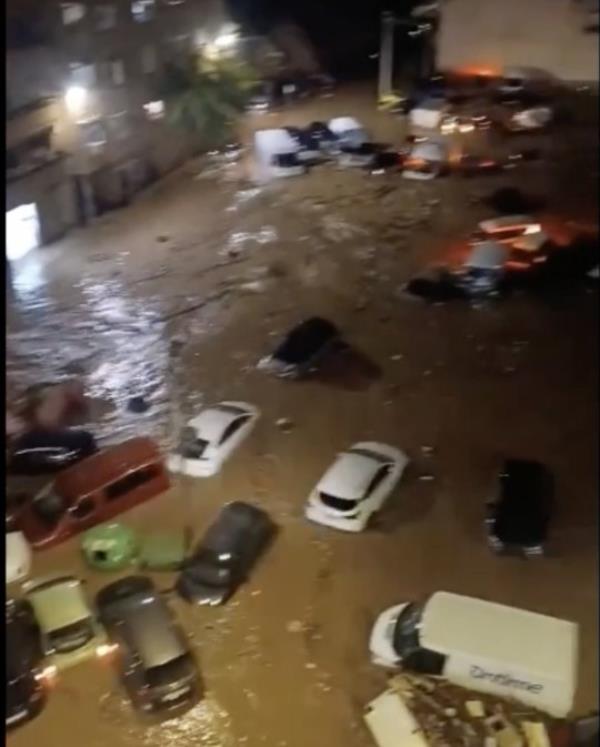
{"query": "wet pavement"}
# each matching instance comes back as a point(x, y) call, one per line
point(223, 269)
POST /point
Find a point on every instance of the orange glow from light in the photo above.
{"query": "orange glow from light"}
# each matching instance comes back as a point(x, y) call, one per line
point(414, 163)
point(482, 71)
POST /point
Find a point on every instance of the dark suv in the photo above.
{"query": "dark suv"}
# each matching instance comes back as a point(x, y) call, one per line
point(155, 663)
point(226, 554)
point(519, 514)
point(25, 692)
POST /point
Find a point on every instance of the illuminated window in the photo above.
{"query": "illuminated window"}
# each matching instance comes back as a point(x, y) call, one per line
point(155, 109)
point(142, 10)
point(22, 231)
point(72, 13)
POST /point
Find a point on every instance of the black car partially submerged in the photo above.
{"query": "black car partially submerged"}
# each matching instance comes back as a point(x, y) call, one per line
point(153, 658)
point(226, 554)
point(519, 515)
point(25, 692)
point(42, 451)
point(302, 348)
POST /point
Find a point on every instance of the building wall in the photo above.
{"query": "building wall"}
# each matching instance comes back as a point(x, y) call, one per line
point(113, 148)
point(543, 34)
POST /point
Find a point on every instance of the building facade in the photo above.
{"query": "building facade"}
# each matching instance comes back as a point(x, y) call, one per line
point(85, 122)
point(559, 37)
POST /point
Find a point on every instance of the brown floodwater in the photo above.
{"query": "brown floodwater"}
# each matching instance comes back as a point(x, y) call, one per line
point(223, 269)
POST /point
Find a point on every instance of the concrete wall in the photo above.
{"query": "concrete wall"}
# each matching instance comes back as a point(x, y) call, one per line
point(495, 34)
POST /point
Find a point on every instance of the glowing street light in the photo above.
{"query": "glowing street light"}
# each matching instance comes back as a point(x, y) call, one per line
point(226, 41)
point(75, 99)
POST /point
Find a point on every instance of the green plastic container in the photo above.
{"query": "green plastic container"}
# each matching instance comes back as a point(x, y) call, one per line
point(162, 552)
point(109, 547)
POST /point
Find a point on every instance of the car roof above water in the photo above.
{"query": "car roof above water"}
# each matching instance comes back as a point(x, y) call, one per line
point(134, 605)
point(105, 467)
point(306, 339)
point(230, 526)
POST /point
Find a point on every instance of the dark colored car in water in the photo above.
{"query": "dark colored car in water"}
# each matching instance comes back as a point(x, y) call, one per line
point(25, 692)
point(320, 133)
point(301, 349)
point(43, 451)
point(226, 554)
point(519, 515)
point(152, 655)
point(309, 146)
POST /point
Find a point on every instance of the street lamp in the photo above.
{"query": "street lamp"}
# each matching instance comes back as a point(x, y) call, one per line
point(75, 99)
point(226, 41)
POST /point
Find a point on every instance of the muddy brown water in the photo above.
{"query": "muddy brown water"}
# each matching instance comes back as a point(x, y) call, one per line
point(285, 663)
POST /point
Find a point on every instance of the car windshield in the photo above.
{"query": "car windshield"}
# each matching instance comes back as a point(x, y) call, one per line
point(406, 630)
point(371, 455)
point(209, 573)
point(71, 637)
point(166, 674)
point(339, 504)
point(191, 447)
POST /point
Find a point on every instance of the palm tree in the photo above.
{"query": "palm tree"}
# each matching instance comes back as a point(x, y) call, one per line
point(207, 98)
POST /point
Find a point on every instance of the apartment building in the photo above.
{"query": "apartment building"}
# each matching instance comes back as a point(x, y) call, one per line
point(85, 122)
point(559, 37)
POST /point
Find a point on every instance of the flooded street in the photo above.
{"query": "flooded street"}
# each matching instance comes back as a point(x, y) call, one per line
point(224, 269)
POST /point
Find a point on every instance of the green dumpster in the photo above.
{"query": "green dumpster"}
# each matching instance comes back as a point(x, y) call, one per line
point(162, 552)
point(109, 547)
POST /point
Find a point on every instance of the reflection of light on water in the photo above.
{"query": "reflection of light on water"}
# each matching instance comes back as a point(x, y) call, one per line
point(29, 279)
point(205, 725)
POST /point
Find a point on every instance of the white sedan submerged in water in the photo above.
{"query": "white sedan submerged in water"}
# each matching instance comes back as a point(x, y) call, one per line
point(356, 486)
point(211, 437)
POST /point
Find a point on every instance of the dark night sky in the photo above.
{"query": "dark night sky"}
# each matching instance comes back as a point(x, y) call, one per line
point(344, 33)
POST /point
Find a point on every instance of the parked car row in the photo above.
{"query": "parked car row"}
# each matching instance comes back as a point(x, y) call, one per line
point(54, 627)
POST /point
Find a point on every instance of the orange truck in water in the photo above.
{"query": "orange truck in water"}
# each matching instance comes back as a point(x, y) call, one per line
point(94, 490)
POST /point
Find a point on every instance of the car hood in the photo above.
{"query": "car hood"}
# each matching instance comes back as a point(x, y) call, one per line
point(201, 594)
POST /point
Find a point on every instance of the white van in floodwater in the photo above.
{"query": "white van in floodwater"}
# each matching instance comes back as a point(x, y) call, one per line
point(483, 646)
point(276, 155)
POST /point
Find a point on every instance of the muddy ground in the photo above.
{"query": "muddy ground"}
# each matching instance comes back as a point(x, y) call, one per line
point(226, 268)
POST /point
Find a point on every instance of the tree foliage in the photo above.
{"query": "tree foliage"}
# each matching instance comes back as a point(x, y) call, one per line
point(207, 98)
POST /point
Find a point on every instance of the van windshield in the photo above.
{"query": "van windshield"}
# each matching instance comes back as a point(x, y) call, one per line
point(406, 632)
